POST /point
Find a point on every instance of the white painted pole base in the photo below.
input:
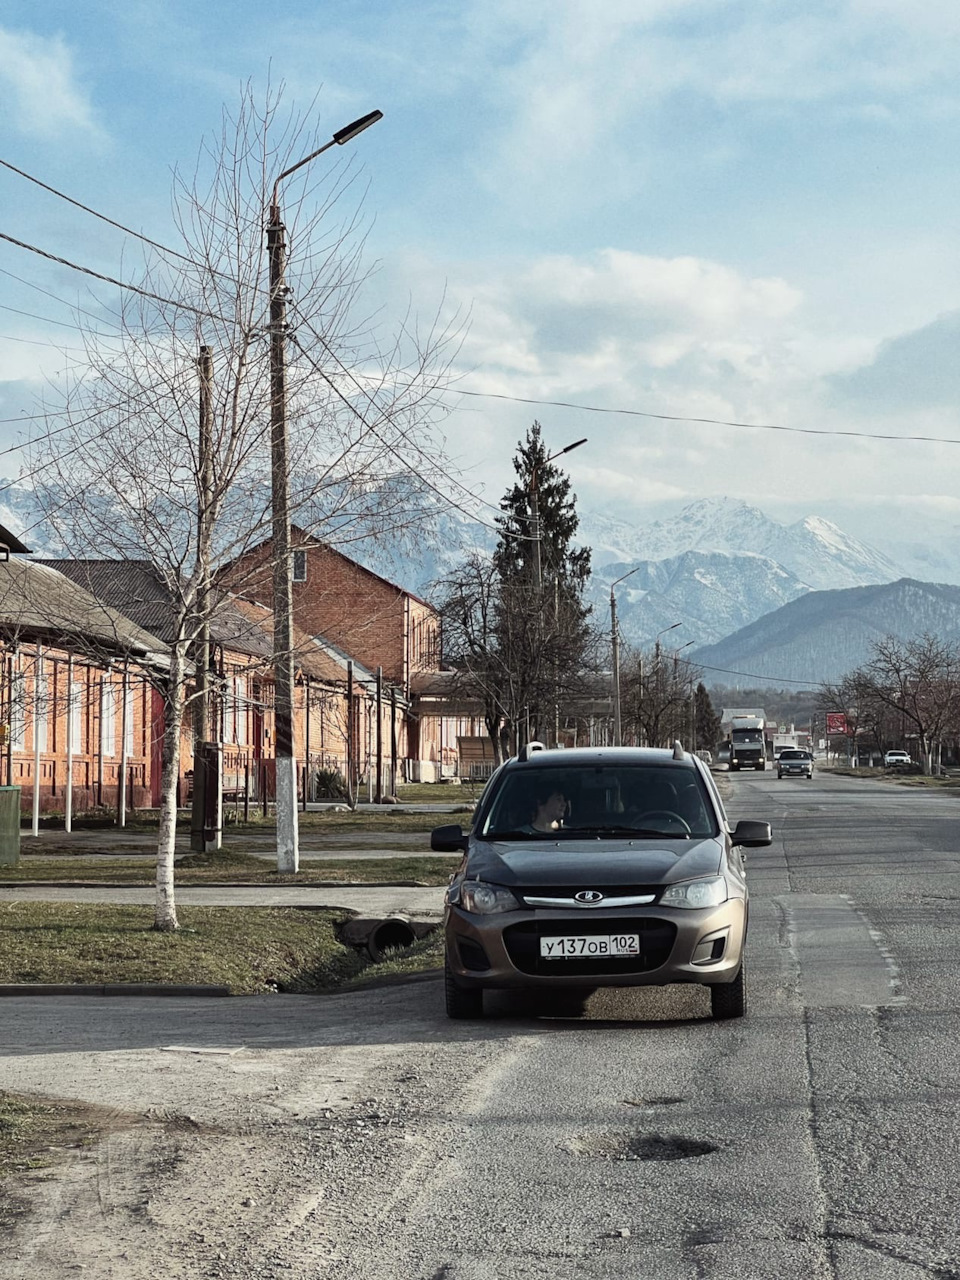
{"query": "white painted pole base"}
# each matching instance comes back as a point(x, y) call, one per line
point(288, 832)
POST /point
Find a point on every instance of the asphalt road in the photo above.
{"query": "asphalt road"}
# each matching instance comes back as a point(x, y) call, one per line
point(633, 1137)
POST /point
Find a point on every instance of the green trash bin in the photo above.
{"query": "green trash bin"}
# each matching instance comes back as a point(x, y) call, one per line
point(9, 826)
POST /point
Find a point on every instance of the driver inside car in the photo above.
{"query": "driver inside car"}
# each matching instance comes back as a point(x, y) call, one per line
point(549, 810)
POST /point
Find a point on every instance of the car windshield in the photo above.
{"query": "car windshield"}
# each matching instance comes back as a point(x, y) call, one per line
point(794, 755)
point(614, 801)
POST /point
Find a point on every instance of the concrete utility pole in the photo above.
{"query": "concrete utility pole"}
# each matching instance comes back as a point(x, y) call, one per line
point(288, 836)
point(201, 711)
point(288, 844)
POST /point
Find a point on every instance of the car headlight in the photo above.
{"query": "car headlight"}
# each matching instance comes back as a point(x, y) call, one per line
point(709, 892)
point(486, 899)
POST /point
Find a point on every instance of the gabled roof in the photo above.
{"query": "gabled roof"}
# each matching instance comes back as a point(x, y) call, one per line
point(300, 538)
point(10, 542)
point(40, 604)
point(136, 588)
point(132, 587)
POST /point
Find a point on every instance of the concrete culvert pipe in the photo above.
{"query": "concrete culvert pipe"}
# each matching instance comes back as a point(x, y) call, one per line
point(393, 934)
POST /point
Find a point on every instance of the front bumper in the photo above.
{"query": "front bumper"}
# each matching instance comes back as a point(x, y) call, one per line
point(678, 945)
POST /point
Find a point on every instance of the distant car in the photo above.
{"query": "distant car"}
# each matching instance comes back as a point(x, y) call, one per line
point(795, 763)
point(897, 760)
point(602, 867)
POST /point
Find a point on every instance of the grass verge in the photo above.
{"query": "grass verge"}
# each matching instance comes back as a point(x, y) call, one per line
point(235, 868)
point(248, 949)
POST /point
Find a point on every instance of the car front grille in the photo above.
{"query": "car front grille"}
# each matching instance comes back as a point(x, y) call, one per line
point(522, 942)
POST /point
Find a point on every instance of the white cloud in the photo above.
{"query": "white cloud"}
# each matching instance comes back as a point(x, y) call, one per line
point(41, 86)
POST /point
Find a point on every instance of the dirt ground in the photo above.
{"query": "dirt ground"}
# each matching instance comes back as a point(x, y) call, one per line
point(249, 1138)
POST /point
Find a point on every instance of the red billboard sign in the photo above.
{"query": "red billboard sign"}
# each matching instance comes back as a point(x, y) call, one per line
point(836, 722)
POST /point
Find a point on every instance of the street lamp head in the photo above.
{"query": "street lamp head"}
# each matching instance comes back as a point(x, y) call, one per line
point(623, 577)
point(570, 447)
point(339, 138)
point(350, 131)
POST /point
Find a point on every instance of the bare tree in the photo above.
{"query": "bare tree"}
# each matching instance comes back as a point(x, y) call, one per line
point(907, 688)
point(128, 474)
point(658, 698)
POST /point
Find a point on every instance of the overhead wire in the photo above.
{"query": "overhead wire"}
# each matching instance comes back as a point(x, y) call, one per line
point(120, 284)
point(490, 395)
point(102, 216)
point(447, 500)
point(713, 422)
point(407, 465)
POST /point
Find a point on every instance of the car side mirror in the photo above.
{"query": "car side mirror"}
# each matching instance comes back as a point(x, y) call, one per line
point(752, 835)
point(448, 839)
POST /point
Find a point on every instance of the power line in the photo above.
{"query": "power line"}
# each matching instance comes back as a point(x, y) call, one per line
point(120, 284)
point(103, 218)
point(31, 284)
point(747, 675)
point(712, 422)
point(408, 466)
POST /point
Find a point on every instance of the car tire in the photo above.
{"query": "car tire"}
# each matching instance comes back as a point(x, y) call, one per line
point(729, 999)
point(462, 1002)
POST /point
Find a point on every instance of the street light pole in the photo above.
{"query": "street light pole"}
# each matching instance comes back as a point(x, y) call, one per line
point(657, 676)
point(534, 495)
point(615, 652)
point(288, 852)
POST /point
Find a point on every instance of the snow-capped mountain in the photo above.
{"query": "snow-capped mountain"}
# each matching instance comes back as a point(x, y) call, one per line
point(813, 549)
point(718, 566)
point(710, 592)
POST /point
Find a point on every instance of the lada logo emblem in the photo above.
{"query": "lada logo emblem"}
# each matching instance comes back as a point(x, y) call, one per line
point(588, 895)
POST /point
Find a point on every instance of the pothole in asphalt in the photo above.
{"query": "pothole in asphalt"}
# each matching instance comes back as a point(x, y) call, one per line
point(667, 1100)
point(643, 1146)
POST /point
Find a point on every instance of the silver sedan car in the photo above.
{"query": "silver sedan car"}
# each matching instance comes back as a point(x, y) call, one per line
point(599, 867)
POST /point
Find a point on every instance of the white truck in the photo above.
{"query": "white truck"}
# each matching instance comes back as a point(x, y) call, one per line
point(747, 745)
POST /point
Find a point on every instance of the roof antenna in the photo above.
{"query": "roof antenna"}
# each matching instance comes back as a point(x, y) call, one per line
point(678, 750)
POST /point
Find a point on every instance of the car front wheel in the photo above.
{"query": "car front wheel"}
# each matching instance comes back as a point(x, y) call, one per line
point(729, 999)
point(462, 1002)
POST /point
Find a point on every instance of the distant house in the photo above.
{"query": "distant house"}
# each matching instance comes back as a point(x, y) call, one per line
point(241, 677)
point(76, 698)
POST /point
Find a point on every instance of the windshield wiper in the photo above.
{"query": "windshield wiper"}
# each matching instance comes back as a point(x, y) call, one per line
point(521, 835)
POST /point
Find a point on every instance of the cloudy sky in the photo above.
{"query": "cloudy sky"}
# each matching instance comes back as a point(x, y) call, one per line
point(738, 210)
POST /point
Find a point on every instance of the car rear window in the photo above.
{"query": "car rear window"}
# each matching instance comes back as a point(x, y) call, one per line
point(614, 800)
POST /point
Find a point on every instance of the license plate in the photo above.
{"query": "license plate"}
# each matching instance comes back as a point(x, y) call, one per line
point(596, 946)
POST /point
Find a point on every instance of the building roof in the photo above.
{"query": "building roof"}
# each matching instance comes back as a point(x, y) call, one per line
point(10, 542)
point(40, 604)
point(134, 588)
point(137, 589)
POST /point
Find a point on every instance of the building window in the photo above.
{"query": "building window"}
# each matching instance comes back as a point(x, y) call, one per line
point(299, 566)
point(76, 715)
point(108, 717)
point(40, 707)
point(129, 708)
point(18, 719)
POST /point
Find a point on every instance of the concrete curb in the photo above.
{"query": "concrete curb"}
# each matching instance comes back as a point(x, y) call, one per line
point(109, 989)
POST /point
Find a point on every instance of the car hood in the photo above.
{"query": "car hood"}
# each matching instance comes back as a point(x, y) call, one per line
point(593, 862)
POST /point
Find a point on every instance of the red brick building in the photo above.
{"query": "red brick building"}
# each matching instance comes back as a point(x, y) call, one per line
point(339, 602)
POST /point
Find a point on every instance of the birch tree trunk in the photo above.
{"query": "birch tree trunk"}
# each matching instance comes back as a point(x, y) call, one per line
point(165, 910)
